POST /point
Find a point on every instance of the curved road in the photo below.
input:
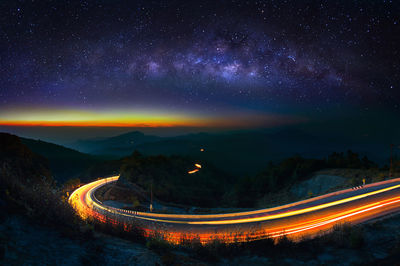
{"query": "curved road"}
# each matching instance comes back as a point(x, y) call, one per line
point(305, 218)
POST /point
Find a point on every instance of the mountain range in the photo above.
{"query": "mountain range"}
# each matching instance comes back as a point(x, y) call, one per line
point(239, 152)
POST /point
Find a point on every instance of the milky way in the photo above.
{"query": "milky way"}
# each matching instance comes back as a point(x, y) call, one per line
point(272, 56)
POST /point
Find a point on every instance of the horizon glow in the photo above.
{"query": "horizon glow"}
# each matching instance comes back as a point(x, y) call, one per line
point(234, 66)
point(136, 118)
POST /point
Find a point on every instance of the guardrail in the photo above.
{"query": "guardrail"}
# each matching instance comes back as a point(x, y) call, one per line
point(106, 210)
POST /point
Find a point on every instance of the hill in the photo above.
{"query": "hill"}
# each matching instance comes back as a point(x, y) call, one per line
point(171, 181)
point(27, 186)
point(64, 163)
point(209, 187)
point(19, 162)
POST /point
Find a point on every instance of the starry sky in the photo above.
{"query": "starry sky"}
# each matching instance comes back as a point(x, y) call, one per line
point(198, 63)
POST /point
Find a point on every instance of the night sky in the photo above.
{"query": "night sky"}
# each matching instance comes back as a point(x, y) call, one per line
point(195, 63)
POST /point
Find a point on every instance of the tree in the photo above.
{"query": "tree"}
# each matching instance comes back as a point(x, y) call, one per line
point(352, 160)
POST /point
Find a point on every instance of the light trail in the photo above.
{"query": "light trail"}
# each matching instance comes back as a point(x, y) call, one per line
point(303, 218)
point(193, 171)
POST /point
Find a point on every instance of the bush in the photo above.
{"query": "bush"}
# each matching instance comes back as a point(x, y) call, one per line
point(356, 238)
point(158, 244)
point(168, 258)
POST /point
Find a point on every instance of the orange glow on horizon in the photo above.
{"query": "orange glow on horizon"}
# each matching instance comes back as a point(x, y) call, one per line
point(100, 118)
point(95, 124)
point(57, 117)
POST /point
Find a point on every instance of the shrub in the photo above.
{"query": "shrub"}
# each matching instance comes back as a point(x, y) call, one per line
point(356, 238)
point(158, 244)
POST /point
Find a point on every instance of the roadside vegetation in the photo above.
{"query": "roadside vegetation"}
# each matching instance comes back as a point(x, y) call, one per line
point(342, 236)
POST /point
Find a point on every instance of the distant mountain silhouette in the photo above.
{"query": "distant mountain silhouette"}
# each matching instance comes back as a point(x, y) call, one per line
point(239, 152)
point(118, 146)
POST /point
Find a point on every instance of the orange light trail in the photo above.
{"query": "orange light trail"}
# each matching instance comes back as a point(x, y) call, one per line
point(193, 171)
point(303, 218)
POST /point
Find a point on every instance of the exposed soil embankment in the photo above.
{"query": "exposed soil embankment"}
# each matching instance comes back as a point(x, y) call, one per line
point(329, 180)
point(317, 185)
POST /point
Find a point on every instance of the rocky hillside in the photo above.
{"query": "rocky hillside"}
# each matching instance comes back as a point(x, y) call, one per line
point(317, 185)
